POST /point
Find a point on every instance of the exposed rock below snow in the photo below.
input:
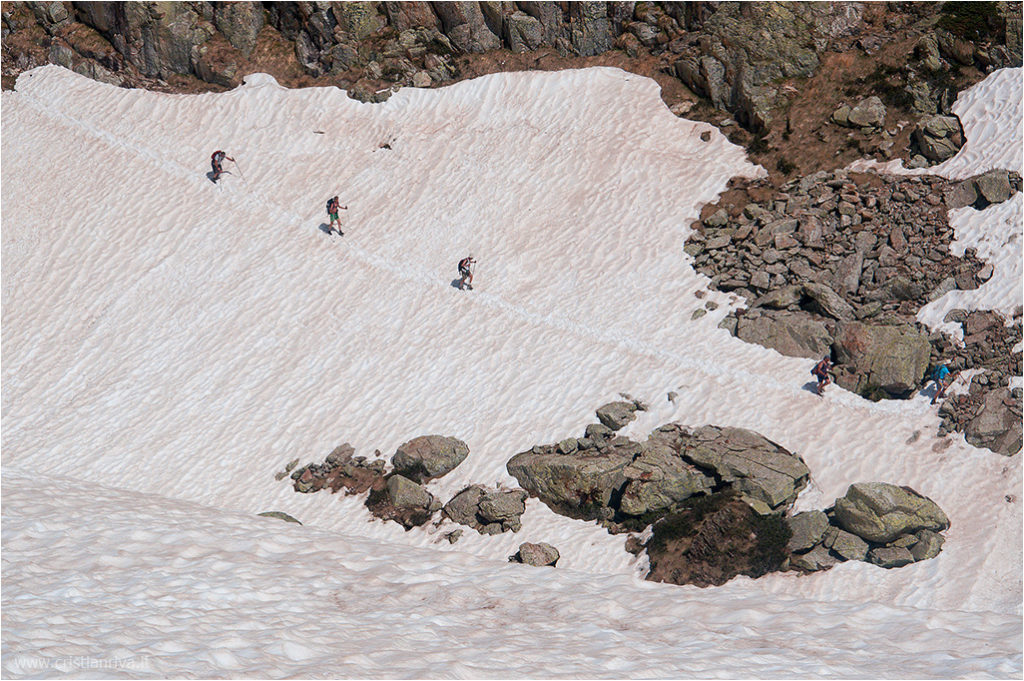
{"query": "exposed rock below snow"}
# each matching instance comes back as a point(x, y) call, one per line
point(403, 501)
point(429, 456)
point(579, 484)
point(488, 511)
point(998, 425)
point(880, 512)
point(538, 555)
point(659, 478)
point(890, 556)
point(994, 186)
point(849, 546)
point(620, 479)
point(892, 358)
point(792, 334)
point(616, 415)
point(280, 515)
point(814, 560)
point(808, 529)
point(766, 475)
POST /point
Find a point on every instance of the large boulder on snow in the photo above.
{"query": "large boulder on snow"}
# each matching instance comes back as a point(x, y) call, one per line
point(579, 484)
point(880, 512)
point(998, 425)
point(660, 478)
point(791, 334)
point(616, 415)
point(488, 511)
point(538, 555)
point(403, 501)
point(766, 475)
point(429, 456)
point(808, 528)
point(889, 358)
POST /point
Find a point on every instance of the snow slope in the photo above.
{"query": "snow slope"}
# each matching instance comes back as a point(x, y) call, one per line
point(166, 336)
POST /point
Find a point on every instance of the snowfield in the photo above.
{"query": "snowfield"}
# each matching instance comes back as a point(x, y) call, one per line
point(169, 344)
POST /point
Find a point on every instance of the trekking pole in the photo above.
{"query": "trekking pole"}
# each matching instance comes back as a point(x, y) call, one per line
point(240, 174)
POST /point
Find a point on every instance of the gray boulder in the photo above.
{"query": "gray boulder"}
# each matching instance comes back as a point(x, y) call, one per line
point(869, 113)
point(403, 493)
point(488, 511)
point(994, 186)
point(962, 194)
point(791, 334)
point(890, 556)
point(814, 560)
point(808, 528)
point(827, 301)
point(928, 545)
point(280, 515)
point(938, 137)
point(522, 32)
point(616, 415)
point(429, 456)
point(767, 476)
point(998, 425)
point(538, 555)
point(659, 478)
point(880, 512)
point(891, 358)
point(847, 545)
point(578, 485)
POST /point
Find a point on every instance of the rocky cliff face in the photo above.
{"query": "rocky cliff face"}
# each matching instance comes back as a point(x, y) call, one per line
point(770, 66)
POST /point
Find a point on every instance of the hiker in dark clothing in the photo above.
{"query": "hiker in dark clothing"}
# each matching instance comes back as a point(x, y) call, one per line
point(216, 160)
point(466, 272)
point(820, 372)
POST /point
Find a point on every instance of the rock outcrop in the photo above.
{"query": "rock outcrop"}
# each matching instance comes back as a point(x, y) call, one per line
point(488, 511)
point(538, 555)
point(875, 522)
point(403, 501)
point(429, 456)
point(880, 512)
point(617, 479)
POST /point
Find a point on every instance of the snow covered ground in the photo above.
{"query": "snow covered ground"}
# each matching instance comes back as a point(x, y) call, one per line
point(168, 344)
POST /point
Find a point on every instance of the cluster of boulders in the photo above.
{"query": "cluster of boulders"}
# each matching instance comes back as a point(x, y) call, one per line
point(988, 416)
point(401, 494)
point(488, 511)
point(868, 115)
point(716, 500)
point(877, 522)
point(839, 263)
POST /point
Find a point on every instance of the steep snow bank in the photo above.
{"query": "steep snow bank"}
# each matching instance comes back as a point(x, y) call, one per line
point(168, 336)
